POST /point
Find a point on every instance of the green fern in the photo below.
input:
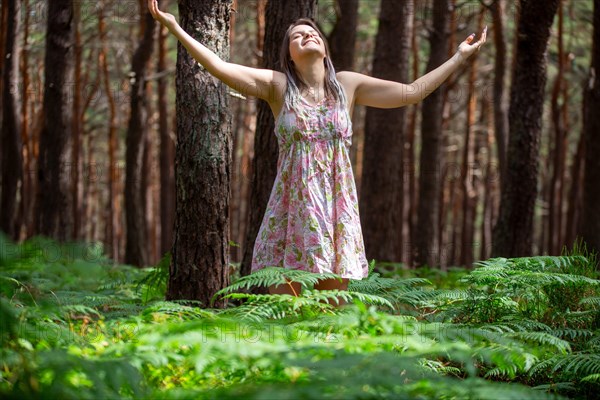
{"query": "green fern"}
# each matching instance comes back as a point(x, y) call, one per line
point(311, 302)
point(270, 276)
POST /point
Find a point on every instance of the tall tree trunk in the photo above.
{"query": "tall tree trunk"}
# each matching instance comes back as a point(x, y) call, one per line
point(513, 233)
point(411, 193)
point(342, 38)
point(3, 31)
point(575, 191)
point(86, 164)
point(426, 230)
point(469, 186)
point(200, 260)
point(113, 209)
point(469, 201)
point(167, 152)
point(490, 179)
point(279, 15)
point(558, 153)
point(136, 250)
point(27, 193)
point(590, 226)
point(76, 120)
point(381, 200)
point(55, 203)
point(500, 113)
point(12, 169)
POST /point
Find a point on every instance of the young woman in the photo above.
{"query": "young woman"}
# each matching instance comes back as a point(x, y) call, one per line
point(312, 221)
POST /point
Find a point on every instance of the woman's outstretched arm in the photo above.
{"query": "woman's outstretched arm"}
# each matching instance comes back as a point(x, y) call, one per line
point(382, 93)
point(262, 83)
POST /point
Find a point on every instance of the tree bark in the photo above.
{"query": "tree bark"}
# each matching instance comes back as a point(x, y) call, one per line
point(513, 233)
point(381, 200)
point(113, 207)
point(410, 172)
point(76, 121)
point(200, 258)
point(27, 185)
point(469, 194)
point(167, 153)
point(12, 170)
point(136, 251)
point(426, 230)
point(470, 151)
point(575, 191)
point(55, 203)
point(558, 155)
point(500, 113)
point(279, 15)
point(342, 38)
point(590, 227)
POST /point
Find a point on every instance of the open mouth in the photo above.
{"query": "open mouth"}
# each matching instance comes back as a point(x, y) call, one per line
point(311, 40)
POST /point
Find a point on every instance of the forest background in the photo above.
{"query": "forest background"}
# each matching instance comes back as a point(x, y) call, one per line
point(472, 172)
point(117, 148)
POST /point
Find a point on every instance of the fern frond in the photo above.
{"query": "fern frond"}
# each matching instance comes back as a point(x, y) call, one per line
point(595, 378)
point(594, 342)
point(269, 276)
point(593, 301)
point(556, 386)
point(517, 324)
point(182, 312)
point(259, 307)
point(571, 366)
point(440, 367)
point(578, 364)
point(572, 334)
point(545, 339)
point(375, 284)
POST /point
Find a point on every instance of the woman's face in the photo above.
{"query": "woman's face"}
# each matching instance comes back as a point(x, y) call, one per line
point(305, 40)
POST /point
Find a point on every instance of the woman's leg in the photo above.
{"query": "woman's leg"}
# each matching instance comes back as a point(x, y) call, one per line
point(333, 284)
point(291, 288)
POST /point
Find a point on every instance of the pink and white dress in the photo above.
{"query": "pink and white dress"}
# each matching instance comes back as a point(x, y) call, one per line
point(312, 222)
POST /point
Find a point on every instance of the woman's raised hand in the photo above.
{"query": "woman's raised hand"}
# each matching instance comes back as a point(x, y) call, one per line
point(466, 48)
point(164, 18)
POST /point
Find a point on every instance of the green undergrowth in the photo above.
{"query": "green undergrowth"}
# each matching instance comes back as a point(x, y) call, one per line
point(77, 326)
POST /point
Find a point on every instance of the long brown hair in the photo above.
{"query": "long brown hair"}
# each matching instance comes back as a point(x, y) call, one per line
point(333, 88)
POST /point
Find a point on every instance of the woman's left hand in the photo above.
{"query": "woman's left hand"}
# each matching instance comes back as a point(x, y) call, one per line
point(467, 48)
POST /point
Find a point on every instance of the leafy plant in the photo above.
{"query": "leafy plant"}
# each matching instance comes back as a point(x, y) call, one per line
point(87, 328)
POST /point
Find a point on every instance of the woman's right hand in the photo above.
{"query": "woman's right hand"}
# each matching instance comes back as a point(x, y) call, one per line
point(164, 18)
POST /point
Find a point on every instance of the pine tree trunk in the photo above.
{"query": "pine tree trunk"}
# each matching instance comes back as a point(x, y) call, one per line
point(77, 122)
point(200, 259)
point(469, 159)
point(500, 115)
point(167, 153)
point(590, 227)
point(27, 186)
point(575, 191)
point(55, 205)
point(558, 154)
point(513, 233)
point(136, 248)
point(426, 230)
point(469, 195)
point(343, 36)
point(113, 207)
point(11, 125)
point(279, 15)
point(410, 172)
point(381, 200)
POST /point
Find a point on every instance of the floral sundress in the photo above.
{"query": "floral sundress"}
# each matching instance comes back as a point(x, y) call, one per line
point(312, 221)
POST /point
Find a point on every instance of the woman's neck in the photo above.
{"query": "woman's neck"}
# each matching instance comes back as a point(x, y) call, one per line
point(312, 73)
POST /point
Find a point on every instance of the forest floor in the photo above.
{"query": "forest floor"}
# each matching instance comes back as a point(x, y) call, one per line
point(75, 325)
